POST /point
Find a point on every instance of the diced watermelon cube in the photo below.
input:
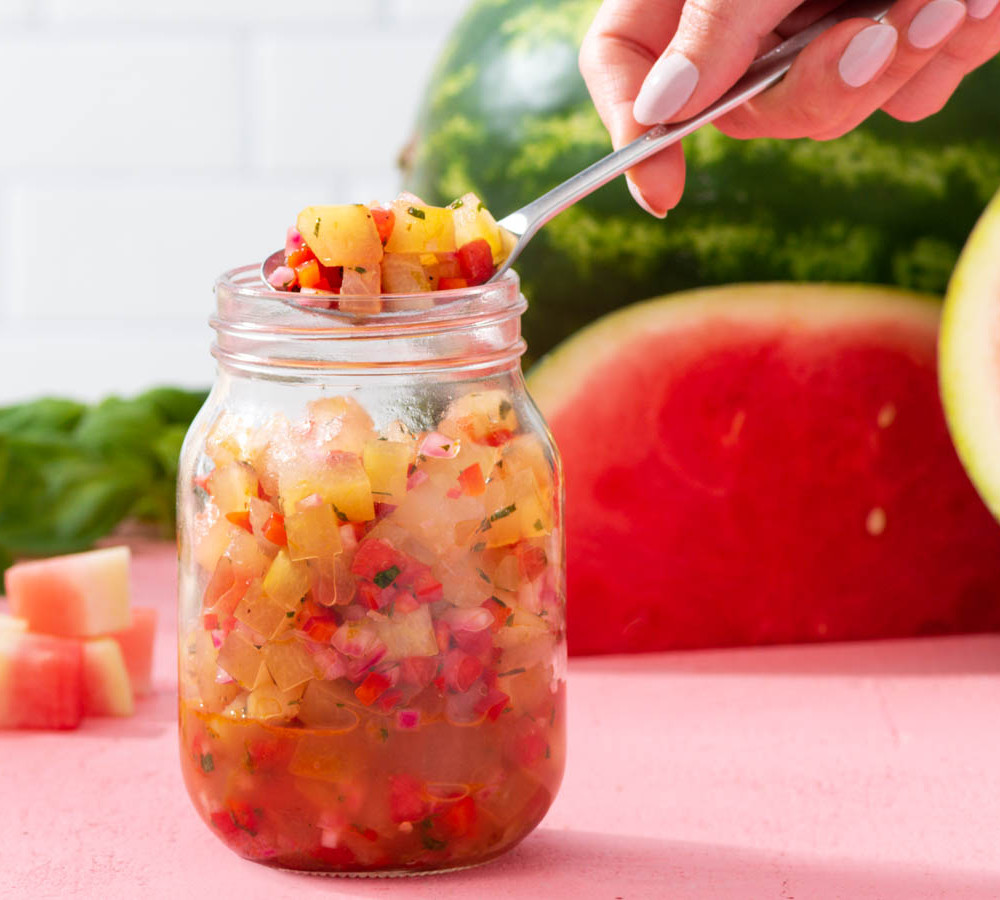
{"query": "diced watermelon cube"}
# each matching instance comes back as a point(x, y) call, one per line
point(41, 681)
point(82, 595)
point(136, 642)
point(107, 690)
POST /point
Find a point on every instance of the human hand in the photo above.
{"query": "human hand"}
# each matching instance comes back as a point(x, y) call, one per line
point(651, 61)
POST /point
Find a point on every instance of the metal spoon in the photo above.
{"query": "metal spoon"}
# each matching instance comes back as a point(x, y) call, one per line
point(521, 226)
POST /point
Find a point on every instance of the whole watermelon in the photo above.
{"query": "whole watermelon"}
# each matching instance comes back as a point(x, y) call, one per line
point(507, 115)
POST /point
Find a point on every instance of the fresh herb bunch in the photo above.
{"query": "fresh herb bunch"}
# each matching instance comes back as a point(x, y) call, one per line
point(70, 473)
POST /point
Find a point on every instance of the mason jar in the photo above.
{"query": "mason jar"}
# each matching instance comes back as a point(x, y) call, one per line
point(372, 587)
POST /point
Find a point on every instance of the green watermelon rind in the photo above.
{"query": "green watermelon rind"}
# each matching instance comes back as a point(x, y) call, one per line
point(969, 357)
point(554, 380)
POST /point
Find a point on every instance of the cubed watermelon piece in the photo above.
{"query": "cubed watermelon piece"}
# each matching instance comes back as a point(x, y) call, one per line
point(107, 690)
point(136, 642)
point(81, 595)
point(41, 681)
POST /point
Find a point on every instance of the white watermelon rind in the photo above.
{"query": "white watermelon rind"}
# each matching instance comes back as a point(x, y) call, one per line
point(969, 357)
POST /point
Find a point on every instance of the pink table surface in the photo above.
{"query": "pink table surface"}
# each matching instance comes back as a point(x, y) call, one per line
point(855, 771)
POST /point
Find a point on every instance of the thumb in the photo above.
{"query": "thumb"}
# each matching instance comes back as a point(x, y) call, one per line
point(715, 43)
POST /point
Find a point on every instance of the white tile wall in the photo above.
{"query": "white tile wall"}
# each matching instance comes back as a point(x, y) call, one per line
point(135, 133)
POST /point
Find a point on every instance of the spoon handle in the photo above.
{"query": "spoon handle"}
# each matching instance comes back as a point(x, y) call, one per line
point(765, 71)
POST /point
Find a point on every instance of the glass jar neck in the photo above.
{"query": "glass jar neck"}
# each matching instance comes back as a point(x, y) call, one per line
point(272, 334)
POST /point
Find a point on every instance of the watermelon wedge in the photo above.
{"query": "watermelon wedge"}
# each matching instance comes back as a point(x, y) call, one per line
point(136, 644)
point(80, 595)
point(40, 681)
point(107, 690)
point(970, 366)
point(763, 464)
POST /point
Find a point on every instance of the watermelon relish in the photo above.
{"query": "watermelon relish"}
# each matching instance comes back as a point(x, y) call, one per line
point(406, 247)
point(373, 677)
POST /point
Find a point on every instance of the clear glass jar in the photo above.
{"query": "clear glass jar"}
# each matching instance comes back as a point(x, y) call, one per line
point(372, 629)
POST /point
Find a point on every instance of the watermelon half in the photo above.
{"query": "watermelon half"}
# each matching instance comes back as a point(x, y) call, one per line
point(763, 464)
point(970, 356)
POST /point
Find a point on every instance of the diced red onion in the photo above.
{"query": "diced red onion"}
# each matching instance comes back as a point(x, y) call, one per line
point(329, 662)
point(416, 479)
point(474, 619)
point(439, 446)
point(356, 642)
point(282, 278)
point(293, 240)
point(454, 493)
point(217, 636)
point(329, 837)
point(223, 677)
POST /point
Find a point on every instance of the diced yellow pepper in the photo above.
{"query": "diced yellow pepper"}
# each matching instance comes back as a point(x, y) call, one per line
point(473, 221)
point(386, 463)
point(421, 229)
point(313, 533)
point(341, 235)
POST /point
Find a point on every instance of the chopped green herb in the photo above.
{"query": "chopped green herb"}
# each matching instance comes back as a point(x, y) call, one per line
point(552, 717)
point(479, 548)
point(456, 204)
point(316, 227)
point(538, 525)
point(383, 733)
point(207, 763)
point(548, 752)
point(290, 613)
point(341, 798)
point(446, 447)
point(543, 613)
point(432, 843)
point(516, 671)
point(503, 513)
point(484, 525)
point(360, 270)
point(481, 206)
point(417, 213)
point(386, 577)
point(498, 600)
point(510, 619)
point(483, 575)
point(340, 515)
point(294, 702)
point(505, 408)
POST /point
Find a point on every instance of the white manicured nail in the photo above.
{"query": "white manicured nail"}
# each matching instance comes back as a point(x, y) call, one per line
point(668, 86)
point(980, 9)
point(935, 22)
point(867, 53)
point(637, 196)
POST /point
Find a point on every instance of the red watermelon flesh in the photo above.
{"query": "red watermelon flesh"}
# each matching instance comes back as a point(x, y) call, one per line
point(41, 681)
point(764, 464)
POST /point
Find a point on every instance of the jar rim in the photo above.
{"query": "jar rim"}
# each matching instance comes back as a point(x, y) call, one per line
point(244, 302)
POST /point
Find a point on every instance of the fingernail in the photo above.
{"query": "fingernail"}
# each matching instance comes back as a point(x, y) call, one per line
point(668, 86)
point(980, 9)
point(867, 52)
point(637, 196)
point(935, 22)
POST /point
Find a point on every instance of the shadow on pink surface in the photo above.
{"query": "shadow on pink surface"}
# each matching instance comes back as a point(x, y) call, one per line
point(563, 864)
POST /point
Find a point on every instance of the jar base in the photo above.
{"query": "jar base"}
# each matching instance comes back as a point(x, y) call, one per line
point(389, 873)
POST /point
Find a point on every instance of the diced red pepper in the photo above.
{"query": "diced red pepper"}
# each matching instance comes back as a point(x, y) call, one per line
point(224, 822)
point(241, 519)
point(370, 595)
point(308, 274)
point(528, 744)
point(333, 277)
point(426, 588)
point(373, 687)
point(495, 703)
point(499, 437)
point(459, 819)
point(369, 834)
point(385, 220)
point(406, 799)
point(320, 629)
point(298, 257)
point(339, 857)
point(201, 481)
point(390, 700)
point(244, 816)
point(274, 530)
point(500, 613)
point(531, 561)
point(461, 670)
point(450, 284)
point(210, 621)
point(472, 480)
point(476, 260)
point(405, 603)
